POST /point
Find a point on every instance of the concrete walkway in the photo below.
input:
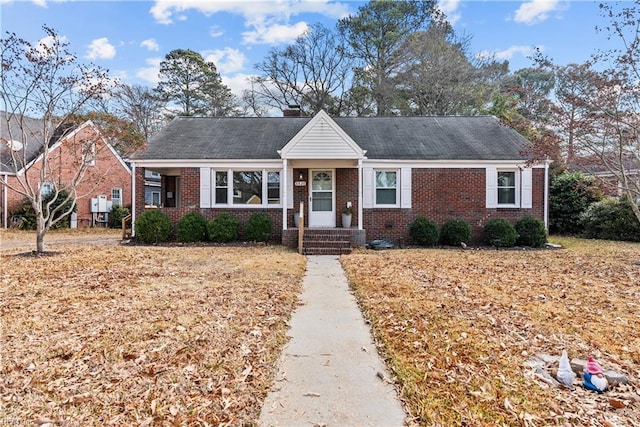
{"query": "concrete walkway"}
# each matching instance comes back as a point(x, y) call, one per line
point(330, 373)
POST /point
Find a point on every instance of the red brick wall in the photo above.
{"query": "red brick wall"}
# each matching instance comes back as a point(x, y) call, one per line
point(438, 194)
point(107, 173)
point(444, 194)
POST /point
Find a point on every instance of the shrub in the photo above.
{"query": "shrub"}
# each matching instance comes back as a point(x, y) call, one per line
point(153, 226)
point(115, 216)
point(454, 232)
point(28, 215)
point(531, 232)
point(259, 227)
point(223, 228)
point(611, 219)
point(570, 194)
point(500, 232)
point(192, 228)
point(423, 232)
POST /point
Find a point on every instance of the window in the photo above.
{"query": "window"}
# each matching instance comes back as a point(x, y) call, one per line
point(155, 198)
point(116, 196)
point(246, 187)
point(506, 188)
point(46, 189)
point(273, 188)
point(386, 188)
point(222, 186)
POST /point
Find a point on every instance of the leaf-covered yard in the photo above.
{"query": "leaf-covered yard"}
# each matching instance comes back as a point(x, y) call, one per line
point(131, 335)
point(458, 326)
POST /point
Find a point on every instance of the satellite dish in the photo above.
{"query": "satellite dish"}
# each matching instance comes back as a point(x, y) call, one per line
point(15, 145)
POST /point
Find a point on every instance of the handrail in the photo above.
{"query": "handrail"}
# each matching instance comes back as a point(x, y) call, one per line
point(125, 219)
point(300, 227)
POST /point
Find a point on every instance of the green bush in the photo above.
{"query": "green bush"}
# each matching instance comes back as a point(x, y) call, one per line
point(28, 215)
point(259, 227)
point(115, 216)
point(192, 228)
point(531, 232)
point(454, 232)
point(423, 232)
point(500, 232)
point(570, 194)
point(153, 226)
point(611, 219)
point(223, 228)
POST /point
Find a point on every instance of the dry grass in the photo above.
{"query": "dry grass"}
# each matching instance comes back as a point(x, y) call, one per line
point(457, 326)
point(122, 335)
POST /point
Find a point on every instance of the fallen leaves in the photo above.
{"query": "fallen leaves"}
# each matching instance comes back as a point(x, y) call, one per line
point(117, 335)
point(457, 326)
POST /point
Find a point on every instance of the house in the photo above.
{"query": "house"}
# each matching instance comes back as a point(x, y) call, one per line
point(390, 170)
point(106, 181)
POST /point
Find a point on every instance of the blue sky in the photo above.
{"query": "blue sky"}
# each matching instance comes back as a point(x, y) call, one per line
point(130, 38)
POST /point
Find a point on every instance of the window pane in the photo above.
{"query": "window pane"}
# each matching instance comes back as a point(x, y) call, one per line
point(221, 189)
point(506, 179)
point(385, 196)
point(506, 195)
point(322, 202)
point(322, 181)
point(273, 187)
point(155, 198)
point(247, 188)
point(385, 179)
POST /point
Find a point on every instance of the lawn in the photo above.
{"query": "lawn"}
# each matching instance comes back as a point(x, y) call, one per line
point(103, 334)
point(137, 335)
point(457, 326)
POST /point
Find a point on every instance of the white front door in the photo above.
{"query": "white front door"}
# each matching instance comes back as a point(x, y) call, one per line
point(322, 211)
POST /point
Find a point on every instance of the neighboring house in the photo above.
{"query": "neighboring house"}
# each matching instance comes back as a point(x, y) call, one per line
point(107, 180)
point(389, 169)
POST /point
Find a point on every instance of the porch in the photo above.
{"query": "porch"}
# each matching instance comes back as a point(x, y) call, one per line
point(325, 241)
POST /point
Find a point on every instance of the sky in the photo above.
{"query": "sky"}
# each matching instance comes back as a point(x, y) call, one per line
point(131, 38)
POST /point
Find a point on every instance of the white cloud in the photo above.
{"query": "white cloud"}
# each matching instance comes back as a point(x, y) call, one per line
point(215, 32)
point(101, 49)
point(238, 83)
point(46, 45)
point(150, 73)
point(274, 34)
point(510, 52)
point(450, 9)
point(150, 44)
point(535, 11)
point(227, 60)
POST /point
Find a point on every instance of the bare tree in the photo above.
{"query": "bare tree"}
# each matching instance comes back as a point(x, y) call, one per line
point(44, 81)
point(141, 106)
point(313, 72)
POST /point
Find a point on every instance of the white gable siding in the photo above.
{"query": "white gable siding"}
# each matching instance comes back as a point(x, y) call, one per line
point(321, 142)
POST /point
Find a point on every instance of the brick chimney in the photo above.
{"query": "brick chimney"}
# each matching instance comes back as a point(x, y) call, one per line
point(292, 111)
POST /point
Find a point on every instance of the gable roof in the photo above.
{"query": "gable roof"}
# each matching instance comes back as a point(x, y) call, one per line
point(384, 138)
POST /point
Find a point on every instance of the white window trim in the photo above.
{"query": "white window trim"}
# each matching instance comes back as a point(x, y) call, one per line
point(517, 189)
point(211, 190)
point(375, 188)
point(159, 200)
point(89, 153)
point(524, 188)
point(119, 199)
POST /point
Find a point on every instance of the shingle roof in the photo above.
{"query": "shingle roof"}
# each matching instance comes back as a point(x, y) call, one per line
point(393, 138)
point(11, 128)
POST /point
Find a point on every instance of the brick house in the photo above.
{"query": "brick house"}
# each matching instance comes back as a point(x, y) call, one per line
point(107, 176)
point(390, 170)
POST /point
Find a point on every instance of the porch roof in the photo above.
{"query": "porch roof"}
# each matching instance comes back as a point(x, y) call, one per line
point(384, 138)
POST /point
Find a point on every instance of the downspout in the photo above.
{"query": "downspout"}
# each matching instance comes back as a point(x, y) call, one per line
point(360, 225)
point(284, 188)
point(546, 195)
point(133, 199)
point(5, 202)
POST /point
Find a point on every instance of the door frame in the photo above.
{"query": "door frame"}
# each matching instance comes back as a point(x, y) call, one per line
point(324, 218)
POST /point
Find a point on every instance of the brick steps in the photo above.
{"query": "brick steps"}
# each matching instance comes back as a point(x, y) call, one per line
point(326, 242)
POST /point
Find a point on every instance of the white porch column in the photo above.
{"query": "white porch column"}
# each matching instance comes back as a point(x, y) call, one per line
point(285, 196)
point(133, 200)
point(360, 226)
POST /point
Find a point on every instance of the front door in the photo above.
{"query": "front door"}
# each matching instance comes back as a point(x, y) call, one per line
point(322, 212)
